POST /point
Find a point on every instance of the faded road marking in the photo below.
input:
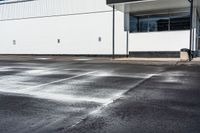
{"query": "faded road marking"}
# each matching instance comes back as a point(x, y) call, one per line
point(112, 99)
point(57, 81)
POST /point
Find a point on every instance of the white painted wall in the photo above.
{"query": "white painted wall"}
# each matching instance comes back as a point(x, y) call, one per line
point(37, 25)
point(159, 41)
point(78, 25)
point(78, 33)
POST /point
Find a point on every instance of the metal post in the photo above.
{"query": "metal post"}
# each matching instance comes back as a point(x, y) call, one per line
point(127, 44)
point(113, 47)
point(191, 28)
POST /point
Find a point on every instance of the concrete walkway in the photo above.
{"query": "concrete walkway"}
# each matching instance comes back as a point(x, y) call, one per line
point(148, 59)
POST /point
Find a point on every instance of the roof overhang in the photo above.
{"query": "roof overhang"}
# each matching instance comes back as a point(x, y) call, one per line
point(142, 6)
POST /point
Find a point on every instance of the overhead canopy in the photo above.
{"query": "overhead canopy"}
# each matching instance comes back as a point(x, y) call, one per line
point(140, 6)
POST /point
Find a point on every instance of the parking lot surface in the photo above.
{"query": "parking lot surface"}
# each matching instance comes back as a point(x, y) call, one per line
point(86, 95)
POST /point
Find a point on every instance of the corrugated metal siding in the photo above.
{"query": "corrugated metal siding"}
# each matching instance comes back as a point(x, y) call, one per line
point(42, 8)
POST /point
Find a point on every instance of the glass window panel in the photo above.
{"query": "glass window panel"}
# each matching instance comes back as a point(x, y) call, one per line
point(153, 24)
point(158, 23)
point(143, 24)
point(163, 25)
point(133, 24)
point(164, 22)
point(179, 22)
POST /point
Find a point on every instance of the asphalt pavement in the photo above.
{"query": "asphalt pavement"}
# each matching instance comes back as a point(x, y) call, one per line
point(90, 95)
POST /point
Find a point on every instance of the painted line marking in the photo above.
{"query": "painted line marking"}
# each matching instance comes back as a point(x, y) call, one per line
point(59, 97)
point(5, 68)
point(112, 99)
point(71, 98)
point(56, 81)
point(83, 59)
point(43, 58)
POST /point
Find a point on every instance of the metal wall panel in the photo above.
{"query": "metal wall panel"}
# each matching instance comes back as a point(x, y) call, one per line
point(42, 8)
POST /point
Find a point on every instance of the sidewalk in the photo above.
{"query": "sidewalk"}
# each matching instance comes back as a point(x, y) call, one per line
point(147, 59)
point(196, 59)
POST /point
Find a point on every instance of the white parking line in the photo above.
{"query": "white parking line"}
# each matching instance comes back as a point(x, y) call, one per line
point(59, 97)
point(68, 98)
point(43, 58)
point(83, 59)
point(120, 94)
point(32, 91)
point(113, 99)
point(53, 82)
point(4, 68)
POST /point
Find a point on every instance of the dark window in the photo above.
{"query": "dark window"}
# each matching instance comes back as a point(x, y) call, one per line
point(143, 24)
point(163, 25)
point(153, 26)
point(158, 23)
point(164, 22)
point(179, 22)
point(133, 24)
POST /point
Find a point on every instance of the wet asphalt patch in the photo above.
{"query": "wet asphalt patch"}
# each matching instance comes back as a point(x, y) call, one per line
point(46, 96)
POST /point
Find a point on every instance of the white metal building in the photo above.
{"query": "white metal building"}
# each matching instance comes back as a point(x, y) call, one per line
point(85, 27)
